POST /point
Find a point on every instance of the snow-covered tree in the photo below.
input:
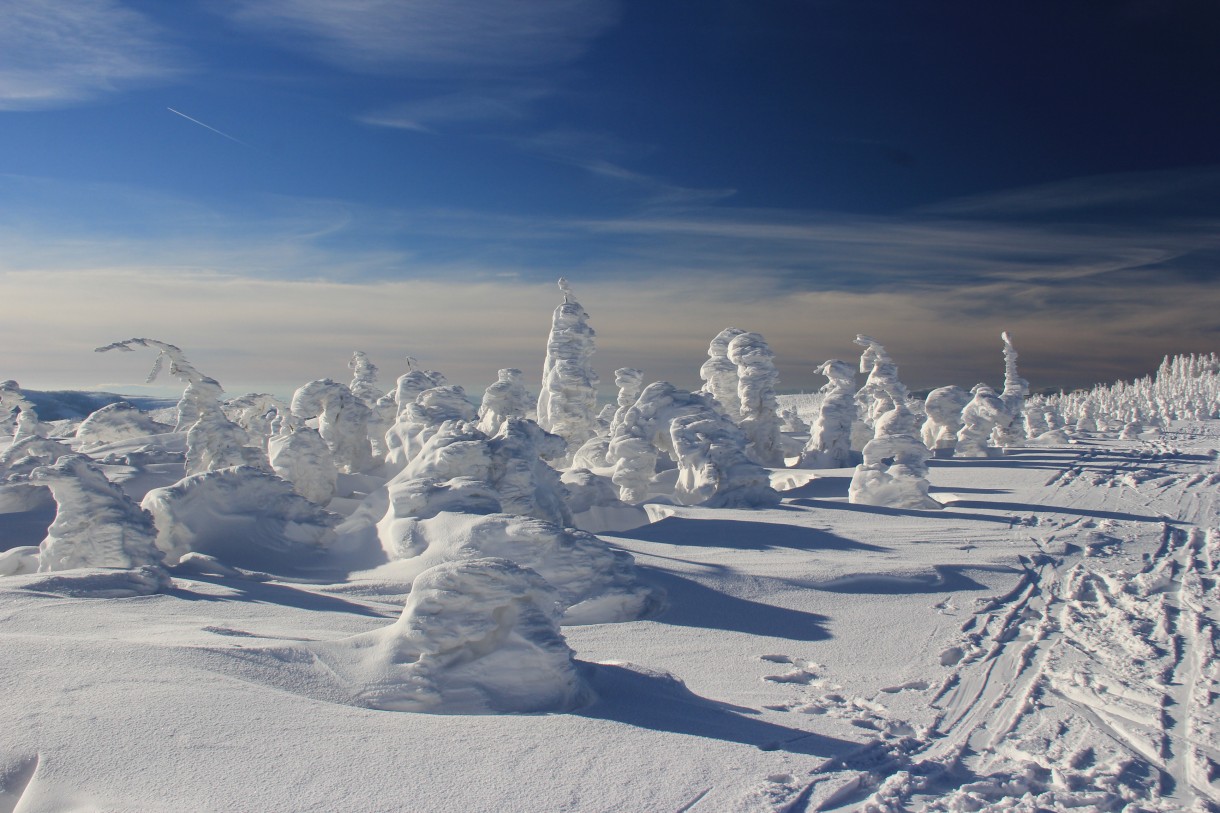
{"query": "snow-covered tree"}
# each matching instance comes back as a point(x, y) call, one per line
point(507, 398)
point(300, 455)
point(980, 417)
point(420, 419)
point(829, 445)
point(201, 393)
point(342, 422)
point(895, 468)
point(719, 373)
point(943, 410)
point(364, 379)
point(96, 524)
point(1016, 389)
point(756, 380)
point(20, 409)
point(567, 403)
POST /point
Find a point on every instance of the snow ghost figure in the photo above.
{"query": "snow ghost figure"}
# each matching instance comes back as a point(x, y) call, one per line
point(756, 380)
point(979, 418)
point(882, 391)
point(364, 379)
point(201, 391)
point(420, 420)
point(475, 637)
point(300, 455)
point(719, 373)
point(507, 398)
point(567, 404)
point(943, 408)
point(895, 467)
point(593, 454)
point(709, 450)
point(342, 422)
point(1015, 391)
point(96, 524)
point(829, 444)
point(13, 401)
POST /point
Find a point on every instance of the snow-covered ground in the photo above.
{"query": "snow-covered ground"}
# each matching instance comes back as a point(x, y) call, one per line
point(1045, 642)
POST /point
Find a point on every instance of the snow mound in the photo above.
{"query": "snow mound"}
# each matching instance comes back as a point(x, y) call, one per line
point(475, 637)
point(116, 422)
point(244, 517)
point(594, 582)
point(95, 582)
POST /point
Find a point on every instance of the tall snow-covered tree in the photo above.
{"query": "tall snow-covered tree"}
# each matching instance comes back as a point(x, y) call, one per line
point(567, 403)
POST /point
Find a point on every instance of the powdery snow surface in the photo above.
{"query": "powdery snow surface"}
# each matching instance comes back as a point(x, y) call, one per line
point(1045, 642)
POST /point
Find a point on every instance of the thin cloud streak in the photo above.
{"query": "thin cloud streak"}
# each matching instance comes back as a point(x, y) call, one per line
point(207, 126)
point(55, 54)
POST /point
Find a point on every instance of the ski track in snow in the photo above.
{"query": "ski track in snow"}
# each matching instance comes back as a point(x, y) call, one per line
point(1089, 685)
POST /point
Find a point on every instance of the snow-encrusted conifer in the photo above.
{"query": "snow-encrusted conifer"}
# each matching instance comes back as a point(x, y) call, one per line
point(829, 444)
point(201, 391)
point(96, 524)
point(567, 403)
point(895, 467)
point(1015, 391)
point(593, 454)
point(14, 403)
point(342, 422)
point(882, 390)
point(300, 455)
point(364, 379)
point(979, 418)
point(756, 380)
point(719, 373)
point(507, 398)
point(943, 410)
point(420, 420)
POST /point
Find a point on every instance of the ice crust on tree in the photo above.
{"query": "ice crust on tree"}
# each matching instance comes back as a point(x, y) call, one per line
point(594, 453)
point(342, 422)
point(894, 473)
point(567, 402)
point(1016, 389)
point(980, 418)
point(201, 391)
point(476, 636)
point(116, 422)
point(255, 413)
point(96, 524)
point(756, 381)
point(719, 373)
point(298, 454)
point(595, 583)
point(422, 418)
point(708, 448)
point(506, 398)
point(14, 402)
point(943, 411)
point(243, 516)
point(829, 445)
point(364, 379)
point(882, 390)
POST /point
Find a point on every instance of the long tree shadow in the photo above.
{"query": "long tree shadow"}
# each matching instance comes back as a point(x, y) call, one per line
point(1025, 508)
point(264, 592)
point(738, 534)
point(660, 702)
point(883, 511)
point(691, 604)
point(940, 579)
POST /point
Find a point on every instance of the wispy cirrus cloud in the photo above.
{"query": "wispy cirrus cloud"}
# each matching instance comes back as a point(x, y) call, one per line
point(431, 36)
point(55, 53)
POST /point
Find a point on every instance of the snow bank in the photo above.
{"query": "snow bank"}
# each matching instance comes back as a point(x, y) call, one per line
point(243, 516)
point(595, 583)
point(96, 524)
point(116, 422)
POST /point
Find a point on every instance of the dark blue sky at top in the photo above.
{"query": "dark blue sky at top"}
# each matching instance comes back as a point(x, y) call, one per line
point(1053, 157)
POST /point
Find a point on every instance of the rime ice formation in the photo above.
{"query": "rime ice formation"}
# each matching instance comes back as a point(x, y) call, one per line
point(882, 390)
point(507, 398)
point(96, 524)
point(709, 450)
point(979, 418)
point(255, 413)
point(115, 422)
point(593, 454)
point(511, 462)
point(829, 445)
point(567, 403)
point(243, 516)
point(475, 637)
point(595, 583)
point(342, 422)
point(943, 408)
point(12, 401)
point(756, 380)
point(895, 468)
point(17, 493)
point(411, 384)
point(201, 391)
point(213, 441)
point(364, 379)
point(300, 455)
point(1015, 391)
point(719, 373)
point(420, 419)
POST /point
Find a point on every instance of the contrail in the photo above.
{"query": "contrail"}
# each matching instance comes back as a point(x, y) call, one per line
point(213, 129)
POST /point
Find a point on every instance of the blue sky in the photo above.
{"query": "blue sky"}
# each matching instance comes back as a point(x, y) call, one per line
point(272, 184)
